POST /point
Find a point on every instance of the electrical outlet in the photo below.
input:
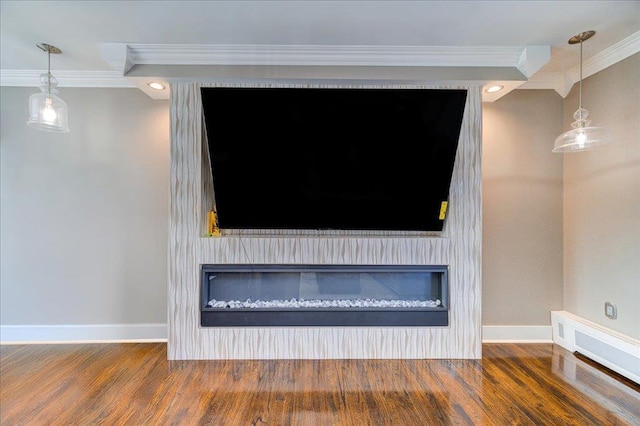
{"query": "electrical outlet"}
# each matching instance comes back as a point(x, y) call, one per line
point(610, 310)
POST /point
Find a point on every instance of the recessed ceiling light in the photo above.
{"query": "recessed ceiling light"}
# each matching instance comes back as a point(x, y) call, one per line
point(155, 85)
point(495, 88)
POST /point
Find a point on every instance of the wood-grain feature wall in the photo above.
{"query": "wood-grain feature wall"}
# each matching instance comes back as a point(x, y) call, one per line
point(459, 246)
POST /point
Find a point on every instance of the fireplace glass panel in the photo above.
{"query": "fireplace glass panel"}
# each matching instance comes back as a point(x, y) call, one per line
point(344, 295)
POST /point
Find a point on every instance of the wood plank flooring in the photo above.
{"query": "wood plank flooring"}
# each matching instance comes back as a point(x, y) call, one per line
point(134, 384)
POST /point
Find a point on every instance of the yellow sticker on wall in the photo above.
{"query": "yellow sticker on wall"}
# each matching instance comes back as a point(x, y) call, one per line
point(443, 210)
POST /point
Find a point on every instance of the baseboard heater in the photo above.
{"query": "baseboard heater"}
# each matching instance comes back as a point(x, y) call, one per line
point(614, 350)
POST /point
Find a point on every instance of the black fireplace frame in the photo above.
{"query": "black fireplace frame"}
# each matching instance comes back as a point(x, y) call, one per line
point(323, 317)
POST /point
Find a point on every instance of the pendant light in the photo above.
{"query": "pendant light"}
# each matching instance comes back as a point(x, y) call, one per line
point(47, 111)
point(582, 137)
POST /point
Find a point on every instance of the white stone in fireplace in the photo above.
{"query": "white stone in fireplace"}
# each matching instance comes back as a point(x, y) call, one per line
point(322, 303)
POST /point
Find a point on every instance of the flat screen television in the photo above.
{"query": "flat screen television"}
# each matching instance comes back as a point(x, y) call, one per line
point(332, 158)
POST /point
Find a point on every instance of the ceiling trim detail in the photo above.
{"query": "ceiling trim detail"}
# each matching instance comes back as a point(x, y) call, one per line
point(31, 78)
point(532, 58)
point(122, 57)
point(562, 82)
point(527, 57)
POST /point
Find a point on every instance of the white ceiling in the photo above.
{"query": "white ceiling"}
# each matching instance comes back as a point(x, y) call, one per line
point(170, 37)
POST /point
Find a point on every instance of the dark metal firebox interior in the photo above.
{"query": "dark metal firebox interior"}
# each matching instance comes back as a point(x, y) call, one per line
point(324, 295)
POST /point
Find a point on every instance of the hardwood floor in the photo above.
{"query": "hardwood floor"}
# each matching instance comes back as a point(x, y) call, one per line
point(113, 384)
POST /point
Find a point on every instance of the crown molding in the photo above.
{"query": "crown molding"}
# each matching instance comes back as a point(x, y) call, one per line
point(118, 55)
point(557, 81)
point(124, 56)
point(562, 82)
point(606, 58)
point(532, 58)
point(31, 78)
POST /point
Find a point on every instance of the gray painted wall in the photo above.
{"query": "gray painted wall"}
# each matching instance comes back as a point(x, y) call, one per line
point(602, 203)
point(522, 209)
point(84, 215)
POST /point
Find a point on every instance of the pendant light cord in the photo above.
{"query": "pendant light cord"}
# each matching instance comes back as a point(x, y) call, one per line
point(49, 71)
point(580, 72)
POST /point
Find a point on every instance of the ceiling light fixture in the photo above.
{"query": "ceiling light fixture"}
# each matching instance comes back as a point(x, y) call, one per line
point(47, 111)
point(495, 88)
point(155, 85)
point(582, 137)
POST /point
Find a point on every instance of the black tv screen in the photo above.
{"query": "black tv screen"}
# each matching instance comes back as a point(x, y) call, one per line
point(332, 158)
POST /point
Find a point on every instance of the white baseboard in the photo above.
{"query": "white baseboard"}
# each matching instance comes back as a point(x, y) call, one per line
point(517, 334)
point(614, 350)
point(85, 333)
point(103, 333)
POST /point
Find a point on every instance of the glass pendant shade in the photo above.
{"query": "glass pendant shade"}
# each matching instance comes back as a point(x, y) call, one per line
point(46, 110)
point(582, 137)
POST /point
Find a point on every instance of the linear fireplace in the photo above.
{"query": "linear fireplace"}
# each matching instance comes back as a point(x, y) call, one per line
point(324, 295)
